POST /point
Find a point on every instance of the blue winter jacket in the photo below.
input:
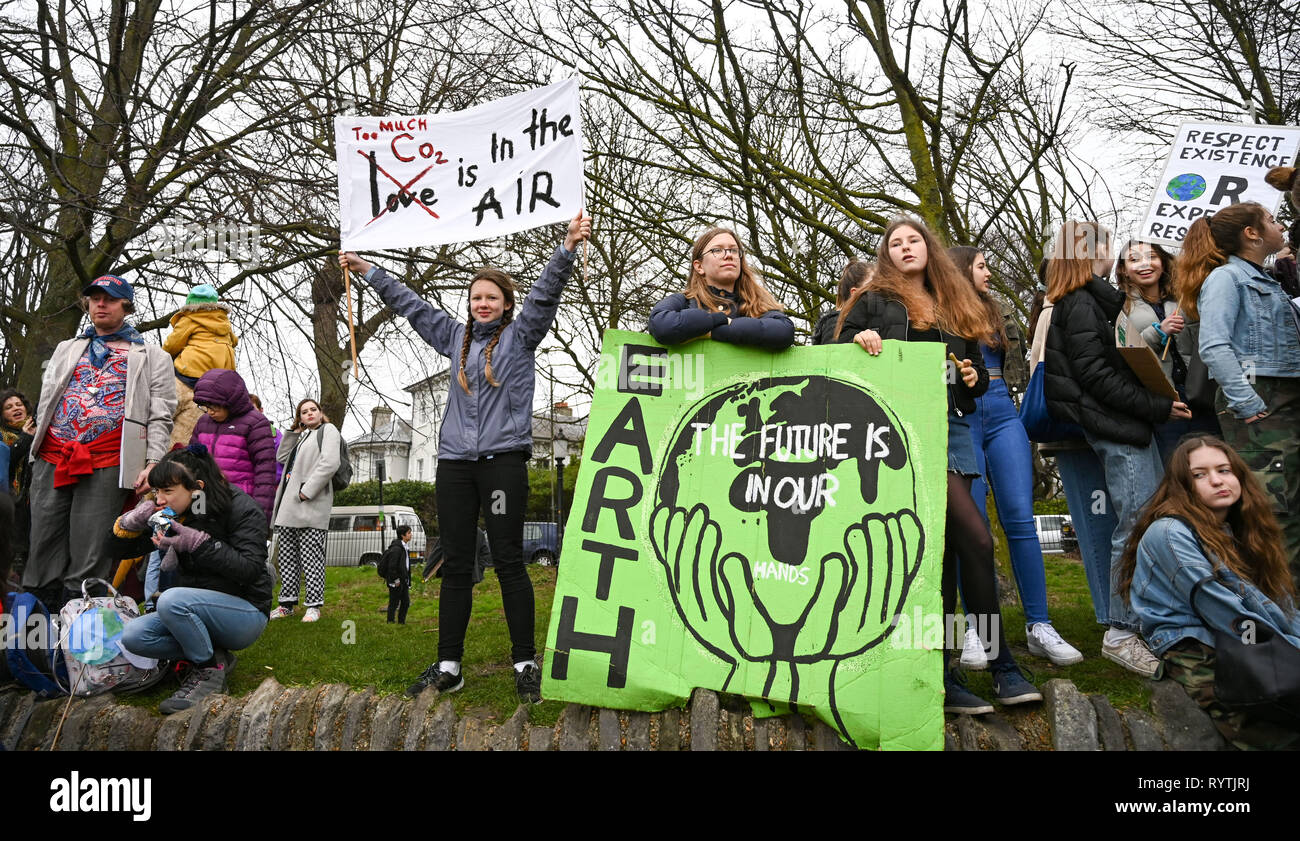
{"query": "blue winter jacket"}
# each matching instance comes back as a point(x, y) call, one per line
point(1247, 330)
point(1170, 561)
point(490, 419)
point(678, 319)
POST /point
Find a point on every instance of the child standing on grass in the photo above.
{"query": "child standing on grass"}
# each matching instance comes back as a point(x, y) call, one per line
point(201, 339)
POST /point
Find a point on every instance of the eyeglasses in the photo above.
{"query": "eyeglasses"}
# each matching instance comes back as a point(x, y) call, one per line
point(723, 252)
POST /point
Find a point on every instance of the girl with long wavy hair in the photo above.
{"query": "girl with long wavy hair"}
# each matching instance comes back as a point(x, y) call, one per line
point(1206, 551)
point(1250, 342)
point(1005, 459)
point(484, 446)
point(1151, 318)
point(918, 295)
point(1088, 383)
point(723, 300)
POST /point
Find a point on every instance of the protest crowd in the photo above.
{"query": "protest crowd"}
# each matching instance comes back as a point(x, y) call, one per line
point(153, 461)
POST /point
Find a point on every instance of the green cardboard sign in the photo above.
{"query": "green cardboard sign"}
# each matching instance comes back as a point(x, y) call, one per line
point(766, 524)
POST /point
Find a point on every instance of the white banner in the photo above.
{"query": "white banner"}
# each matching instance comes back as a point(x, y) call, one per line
point(1211, 166)
point(497, 168)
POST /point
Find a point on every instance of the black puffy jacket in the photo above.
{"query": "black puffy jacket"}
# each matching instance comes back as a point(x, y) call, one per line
point(231, 561)
point(889, 318)
point(677, 319)
point(824, 332)
point(1087, 380)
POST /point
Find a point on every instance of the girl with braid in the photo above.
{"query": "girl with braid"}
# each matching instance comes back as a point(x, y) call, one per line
point(484, 445)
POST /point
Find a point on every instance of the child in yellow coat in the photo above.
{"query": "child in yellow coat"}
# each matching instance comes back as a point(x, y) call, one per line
point(201, 339)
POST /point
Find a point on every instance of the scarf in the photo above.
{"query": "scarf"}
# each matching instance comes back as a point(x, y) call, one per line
point(99, 344)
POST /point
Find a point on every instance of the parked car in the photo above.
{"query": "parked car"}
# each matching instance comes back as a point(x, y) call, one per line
point(542, 543)
point(1055, 533)
point(356, 537)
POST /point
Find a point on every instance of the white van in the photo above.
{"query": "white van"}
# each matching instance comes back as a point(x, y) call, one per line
point(355, 537)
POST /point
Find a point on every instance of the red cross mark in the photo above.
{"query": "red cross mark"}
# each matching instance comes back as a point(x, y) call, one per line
point(403, 189)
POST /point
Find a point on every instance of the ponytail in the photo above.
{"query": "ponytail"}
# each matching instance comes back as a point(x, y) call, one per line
point(1208, 244)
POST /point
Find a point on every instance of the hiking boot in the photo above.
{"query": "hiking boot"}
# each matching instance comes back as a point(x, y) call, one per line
point(528, 684)
point(199, 684)
point(444, 682)
point(973, 655)
point(282, 611)
point(1044, 641)
point(1011, 687)
point(960, 700)
point(1132, 653)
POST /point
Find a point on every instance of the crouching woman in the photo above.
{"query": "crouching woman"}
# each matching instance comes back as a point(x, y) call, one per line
point(1207, 550)
point(216, 544)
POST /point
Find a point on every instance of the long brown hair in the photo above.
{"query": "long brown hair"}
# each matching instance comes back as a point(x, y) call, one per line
point(1208, 244)
point(507, 287)
point(1129, 287)
point(752, 296)
point(963, 257)
point(1069, 267)
point(297, 414)
point(1254, 548)
point(947, 299)
point(851, 278)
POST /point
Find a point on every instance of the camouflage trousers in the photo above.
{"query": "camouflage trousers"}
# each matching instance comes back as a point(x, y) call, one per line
point(1271, 448)
point(1191, 663)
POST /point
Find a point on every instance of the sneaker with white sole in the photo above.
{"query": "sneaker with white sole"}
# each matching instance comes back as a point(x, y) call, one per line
point(1011, 687)
point(973, 655)
point(312, 614)
point(1132, 653)
point(1044, 641)
point(444, 682)
point(282, 611)
point(959, 700)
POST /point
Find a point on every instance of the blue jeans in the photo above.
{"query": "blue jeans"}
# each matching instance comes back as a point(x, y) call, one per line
point(155, 580)
point(190, 622)
point(1093, 517)
point(1003, 455)
point(1132, 475)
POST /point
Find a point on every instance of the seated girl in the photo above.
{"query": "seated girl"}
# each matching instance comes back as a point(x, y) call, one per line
point(217, 545)
point(723, 301)
point(1209, 533)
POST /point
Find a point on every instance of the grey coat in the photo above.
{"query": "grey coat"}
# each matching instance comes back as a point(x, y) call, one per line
point(490, 419)
point(150, 403)
point(313, 467)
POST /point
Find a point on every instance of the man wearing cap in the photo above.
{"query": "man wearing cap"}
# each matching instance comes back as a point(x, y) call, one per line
point(104, 418)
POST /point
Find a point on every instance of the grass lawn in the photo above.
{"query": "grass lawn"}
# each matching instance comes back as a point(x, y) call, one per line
point(353, 644)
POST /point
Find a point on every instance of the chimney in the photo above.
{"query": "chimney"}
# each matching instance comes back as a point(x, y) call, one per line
point(562, 410)
point(381, 418)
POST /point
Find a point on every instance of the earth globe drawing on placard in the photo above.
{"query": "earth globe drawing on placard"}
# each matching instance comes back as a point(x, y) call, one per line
point(95, 636)
point(1186, 187)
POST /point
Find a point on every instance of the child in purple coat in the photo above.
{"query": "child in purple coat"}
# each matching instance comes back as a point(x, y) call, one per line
point(238, 435)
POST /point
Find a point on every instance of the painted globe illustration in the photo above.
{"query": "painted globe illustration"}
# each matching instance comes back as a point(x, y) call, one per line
point(95, 636)
point(1186, 187)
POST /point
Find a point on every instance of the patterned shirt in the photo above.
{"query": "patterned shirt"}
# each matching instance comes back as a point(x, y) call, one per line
point(94, 401)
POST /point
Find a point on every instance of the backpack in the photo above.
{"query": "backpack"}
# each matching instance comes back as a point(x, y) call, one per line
point(30, 655)
point(90, 641)
point(343, 475)
point(382, 567)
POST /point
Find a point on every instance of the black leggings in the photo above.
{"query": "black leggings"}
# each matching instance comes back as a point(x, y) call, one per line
point(499, 487)
point(969, 543)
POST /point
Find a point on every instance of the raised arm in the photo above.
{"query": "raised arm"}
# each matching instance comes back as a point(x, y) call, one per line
point(538, 313)
point(432, 324)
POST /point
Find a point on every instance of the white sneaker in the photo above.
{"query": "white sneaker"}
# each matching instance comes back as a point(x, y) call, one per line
point(1044, 641)
point(281, 612)
point(973, 656)
point(311, 615)
point(1132, 653)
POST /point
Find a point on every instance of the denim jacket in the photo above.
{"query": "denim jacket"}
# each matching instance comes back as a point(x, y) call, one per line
point(1170, 561)
point(1247, 330)
point(490, 419)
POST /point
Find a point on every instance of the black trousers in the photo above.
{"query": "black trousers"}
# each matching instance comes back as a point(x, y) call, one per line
point(399, 599)
point(497, 486)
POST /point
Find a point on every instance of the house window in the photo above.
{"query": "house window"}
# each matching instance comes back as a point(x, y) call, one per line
point(419, 469)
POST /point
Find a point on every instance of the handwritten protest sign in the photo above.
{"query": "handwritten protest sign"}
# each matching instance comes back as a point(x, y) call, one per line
point(487, 171)
point(1211, 166)
point(763, 524)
